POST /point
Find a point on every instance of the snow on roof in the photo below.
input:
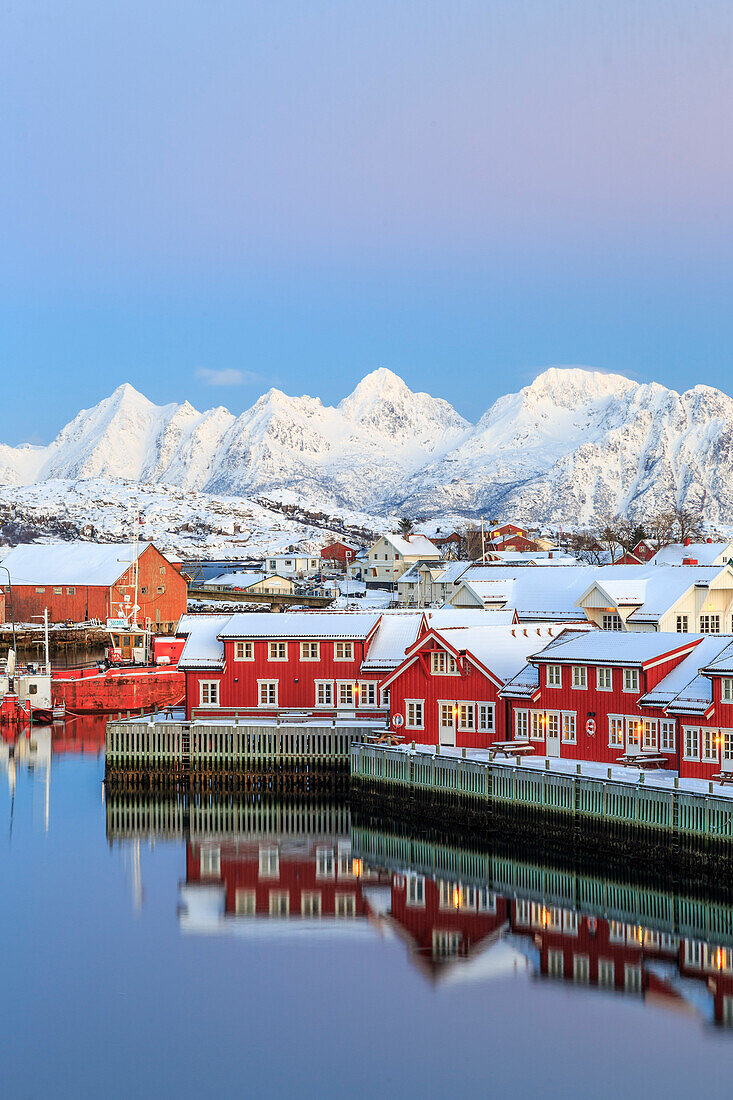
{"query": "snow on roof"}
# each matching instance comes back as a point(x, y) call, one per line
point(446, 618)
point(536, 593)
point(532, 557)
point(244, 579)
point(684, 683)
point(298, 624)
point(619, 647)
point(82, 563)
point(203, 648)
point(654, 589)
point(291, 557)
point(504, 650)
point(723, 662)
point(394, 635)
point(413, 545)
point(704, 553)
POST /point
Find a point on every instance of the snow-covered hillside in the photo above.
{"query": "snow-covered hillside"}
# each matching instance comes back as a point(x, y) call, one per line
point(573, 445)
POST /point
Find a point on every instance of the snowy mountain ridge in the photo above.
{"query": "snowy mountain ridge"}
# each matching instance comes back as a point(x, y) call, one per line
point(572, 445)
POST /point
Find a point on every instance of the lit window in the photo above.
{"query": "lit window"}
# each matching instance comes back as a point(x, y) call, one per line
point(310, 651)
point(727, 746)
point(267, 693)
point(537, 728)
point(709, 745)
point(554, 676)
point(277, 651)
point(604, 679)
point(611, 622)
point(631, 679)
point(466, 716)
point(568, 728)
point(615, 732)
point(649, 734)
point(244, 651)
point(414, 714)
point(580, 676)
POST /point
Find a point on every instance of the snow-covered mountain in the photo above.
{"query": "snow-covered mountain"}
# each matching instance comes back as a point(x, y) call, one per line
point(573, 445)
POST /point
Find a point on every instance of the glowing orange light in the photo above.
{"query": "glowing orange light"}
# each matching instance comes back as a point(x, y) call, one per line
point(719, 958)
point(457, 899)
point(545, 917)
point(356, 868)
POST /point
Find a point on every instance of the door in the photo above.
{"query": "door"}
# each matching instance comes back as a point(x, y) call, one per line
point(633, 736)
point(726, 751)
point(552, 733)
point(446, 724)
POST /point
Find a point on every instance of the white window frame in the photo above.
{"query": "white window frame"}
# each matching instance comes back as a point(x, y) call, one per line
point(346, 651)
point(726, 689)
point(245, 901)
point(553, 678)
point(581, 969)
point(691, 743)
point(466, 717)
point(726, 745)
point(268, 684)
point(344, 905)
point(521, 725)
point(415, 891)
point(269, 861)
point(611, 620)
point(631, 681)
point(606, 972)
point(443, 663)
point(536, 725)
point(604, 673)
point(244, 651)
point(209, 688)
point(210, 862)
point(279, 903)
point(683, 624)
point(569, 728)
point(485, 718)
point(709, 620)
point(325, 862)
point(345, 694)
point(709, 746)
point(616, 724)
point(310, 651)
point(649, 735)
point(580, 673)
point(320, 689)
point(415, 714)
point(368, 688)
point(311, 904)
point(275, 653)
point(668, 735)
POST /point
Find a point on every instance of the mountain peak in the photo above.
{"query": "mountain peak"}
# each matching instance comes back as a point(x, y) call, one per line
point(586, 383)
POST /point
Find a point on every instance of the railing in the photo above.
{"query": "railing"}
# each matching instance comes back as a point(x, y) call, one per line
point(201, 819)
point(674, 811)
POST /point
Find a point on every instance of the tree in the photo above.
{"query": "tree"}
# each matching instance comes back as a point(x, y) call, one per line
point(688, 523)
point(405, 526)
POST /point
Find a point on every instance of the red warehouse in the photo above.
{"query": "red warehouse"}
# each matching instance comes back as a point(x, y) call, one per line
point(341, 552)
point(446, 691)
point(79, 581)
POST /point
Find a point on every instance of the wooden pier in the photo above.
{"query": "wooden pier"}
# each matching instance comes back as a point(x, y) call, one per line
point(585, 800)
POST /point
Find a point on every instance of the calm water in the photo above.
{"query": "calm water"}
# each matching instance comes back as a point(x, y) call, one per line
point(309, 958)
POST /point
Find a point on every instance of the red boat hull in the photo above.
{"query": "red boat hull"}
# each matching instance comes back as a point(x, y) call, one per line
point(118, 689)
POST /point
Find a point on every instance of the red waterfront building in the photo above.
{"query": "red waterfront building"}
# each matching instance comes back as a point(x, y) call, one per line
point(79, 581)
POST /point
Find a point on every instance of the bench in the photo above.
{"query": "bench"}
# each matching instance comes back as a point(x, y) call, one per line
point(643, 760)
point(510, 748)
point(723, 778)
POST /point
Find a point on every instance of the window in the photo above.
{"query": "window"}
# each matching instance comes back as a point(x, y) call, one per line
point(727, 747)
point(210, 862)
point(615, 732)
point(445, 943)
point(71, 590)
point(160, 588)
point(604, 679)
point(555, 963)
point(209, 693)
point(40, 590)
point(649, 734)
point(710, 624)
point(466, 716)
point(709, 745)
point(611, 621)
point(416, 890)
point(569, 922)
point(277, 651)
point(442, 663)
point(325, 863)
point(367, 693)
point(161, 570)
point(521, 725)
point(606, 973)
point(617, 932)
point(486, 900)
point(310, 903)
point(245, 902)
point(691, 742)
point(581, 969)
point(553, 724)
point(414, 714)
point(269, 862)
point(522, 911)
point(485, 717)
point(632, 978)
point(568, 728)
point(726, 690)
point(345, 905)
point(554, 676)
point(244, 651)
point(279, 903)
point(57, 591)
point(537, 732)
point(580, 676)
point(631, 679)
point(343, 651)
point(310, 651)
point(324, 693)
point(267, 693)
point(345, 690)
point(683, 624)
point(667, 742)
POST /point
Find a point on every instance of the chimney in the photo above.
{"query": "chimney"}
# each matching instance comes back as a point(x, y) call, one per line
point(689, 561)
point(687, 541)
point(708, 540)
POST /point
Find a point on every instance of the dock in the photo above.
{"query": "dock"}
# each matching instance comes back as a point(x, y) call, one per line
point(566, 791)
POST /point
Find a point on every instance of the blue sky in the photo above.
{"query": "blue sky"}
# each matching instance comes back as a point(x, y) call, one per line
point(465, 192)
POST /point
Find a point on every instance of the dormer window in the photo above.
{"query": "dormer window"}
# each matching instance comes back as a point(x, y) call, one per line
point(442, 663)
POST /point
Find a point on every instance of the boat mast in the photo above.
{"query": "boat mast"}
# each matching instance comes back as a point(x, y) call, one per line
point(45, 636)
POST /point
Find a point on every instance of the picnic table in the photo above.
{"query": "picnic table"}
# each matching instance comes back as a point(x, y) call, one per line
point(384, 737)
point(643, 760)
point(723, 778)
point(510, 748)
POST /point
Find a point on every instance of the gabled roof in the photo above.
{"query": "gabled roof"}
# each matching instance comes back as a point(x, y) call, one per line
point(297, 624)
point(245, 579)
point(76, 563)
point(547, 594)
point(412, 546)
point(651, 589)
point(392, 638)
point(704, 553)
point(203, 648)
point(684, 687)
point(612, 647)
point(448, 618)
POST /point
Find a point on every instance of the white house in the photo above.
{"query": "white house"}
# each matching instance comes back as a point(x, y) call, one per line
point(695, 553)
point(392, 555)
point(430, 583)
point(306, 565)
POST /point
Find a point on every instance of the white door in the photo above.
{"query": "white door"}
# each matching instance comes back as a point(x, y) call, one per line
point(552, 733)
point(633, 736)
point(726, 751)
point(446, 724)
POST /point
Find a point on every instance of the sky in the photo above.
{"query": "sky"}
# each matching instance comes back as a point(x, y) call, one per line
point(205, 198)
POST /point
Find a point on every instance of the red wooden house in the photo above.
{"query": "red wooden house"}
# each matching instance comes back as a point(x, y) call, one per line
point(446, 690)
point(79, 581)
point(341, 552)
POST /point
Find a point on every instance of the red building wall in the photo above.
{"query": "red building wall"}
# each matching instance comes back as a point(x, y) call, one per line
point(162, 591)
point(338, 551)
point(473, 915)
point(77, 603)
